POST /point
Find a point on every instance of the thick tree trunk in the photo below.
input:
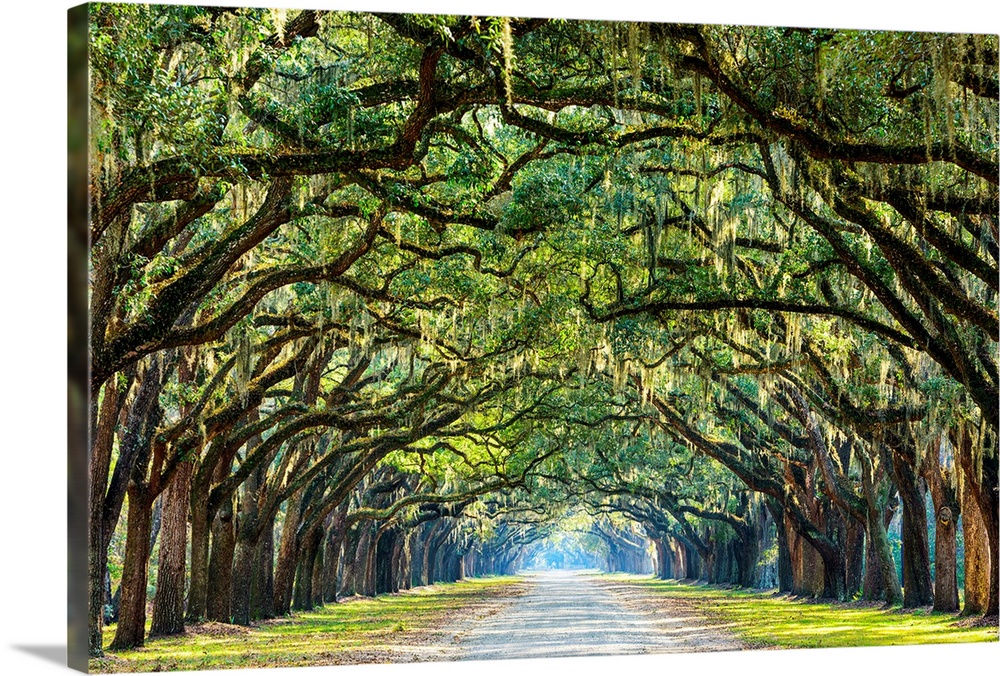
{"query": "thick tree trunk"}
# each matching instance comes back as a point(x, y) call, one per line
point(130, 632)
point(708, 565)
point(854, 551)
point(368, 584)
point(303, 595)
point(197, 602)
point(784, 564)
point(435, 570)
point(884, 582)
point(917, 590)
point(168, 606)
point(401, 577)
point(977, 562)
point(980, 527)
point(220, 569)
point(808, 570)
point(317, 572)
point(243, 575)
point(352, 540)
point(262, 587)
point(881, 580)
point(427, 574)
point(97, 544)
point(302, 589)
point(983, 485)
point(662, 560)
point(941, 481)
point(945, 558)
point(142, 418)
point(331, 558)
point(383, 562)
point(288, 554)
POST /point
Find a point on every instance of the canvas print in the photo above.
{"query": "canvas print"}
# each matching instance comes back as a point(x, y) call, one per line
point(403, 337)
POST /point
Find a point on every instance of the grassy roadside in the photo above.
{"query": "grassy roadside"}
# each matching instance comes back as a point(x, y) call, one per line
point(400, 627)
point(769, 620)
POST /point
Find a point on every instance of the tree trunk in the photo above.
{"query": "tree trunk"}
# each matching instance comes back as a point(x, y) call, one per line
point(808, 570)
point(197, 603)
point(142, 418)
point(383, 562)
point(262, 588)
point(784, 563)
point(308, 551)
point(220, 568)
point(168, 606)
point(284, 574)
point(981, 480)
point(316, 599)
point(427, 574)
point(331, 558)
point(917, 589)
point(979, 526)
point(945, 557)
point(854, 555)
point(131, 628)
point(368, 585)
point(352, 540)
point(977, 561)
point(243, 575)
point(941, 481)
point(881, 580)
point(885, 584)
point(97, 545)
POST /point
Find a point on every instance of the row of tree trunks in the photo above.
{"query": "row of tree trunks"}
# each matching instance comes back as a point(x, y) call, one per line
point(333, 559)
point(867, 560)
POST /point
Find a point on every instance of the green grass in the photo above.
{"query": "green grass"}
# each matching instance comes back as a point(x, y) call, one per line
point(391, 627)
point(769, 620)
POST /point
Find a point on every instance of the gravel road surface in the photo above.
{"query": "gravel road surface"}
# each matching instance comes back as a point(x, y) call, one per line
point(564, 613)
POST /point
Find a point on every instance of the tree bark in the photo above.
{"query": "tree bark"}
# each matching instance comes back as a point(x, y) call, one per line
point(243, 575)
point(168, 606)
point(981, 525)
point(784, 563)
point(317, 571)
point(308, 553)
point(808, 570)
point(945, 569)
point(977, 561)
point(332, 556)
point(220, 567)
point(881, 580)
point(197, 603)
point(941, 481)
point(917, 590)
point(262, 588)
point(130, 632)
point(427, 573)
point(100, 466)
point(284, 573)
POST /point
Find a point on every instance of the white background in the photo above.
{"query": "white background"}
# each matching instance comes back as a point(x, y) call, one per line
point(33, 329)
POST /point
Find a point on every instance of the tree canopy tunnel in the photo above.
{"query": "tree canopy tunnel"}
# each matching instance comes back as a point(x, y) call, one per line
point(376, 298)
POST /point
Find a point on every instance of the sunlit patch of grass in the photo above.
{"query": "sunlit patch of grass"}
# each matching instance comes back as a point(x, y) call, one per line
point(770, 620)
point(358, 630)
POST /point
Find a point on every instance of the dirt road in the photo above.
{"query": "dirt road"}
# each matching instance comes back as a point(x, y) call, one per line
point(572, 613)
